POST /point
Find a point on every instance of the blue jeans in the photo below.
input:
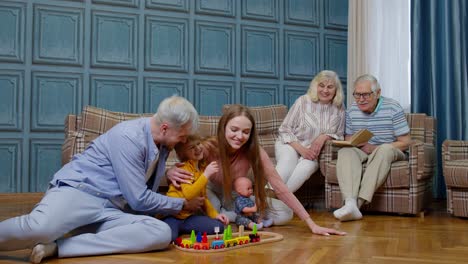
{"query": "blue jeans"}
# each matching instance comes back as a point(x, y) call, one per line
point(198, 223)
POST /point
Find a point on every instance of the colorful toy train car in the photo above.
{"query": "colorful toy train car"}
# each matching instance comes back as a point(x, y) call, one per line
point(201, 242)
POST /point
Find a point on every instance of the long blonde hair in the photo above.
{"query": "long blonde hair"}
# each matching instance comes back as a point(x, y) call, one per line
point(326, 75)
point(251, 149)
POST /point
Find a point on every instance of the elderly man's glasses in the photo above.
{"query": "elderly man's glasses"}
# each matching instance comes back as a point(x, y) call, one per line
point(364, 95)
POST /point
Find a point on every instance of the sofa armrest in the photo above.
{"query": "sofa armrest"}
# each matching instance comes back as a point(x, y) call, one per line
point(329, 153)
point(422, 160)
point(454, 150)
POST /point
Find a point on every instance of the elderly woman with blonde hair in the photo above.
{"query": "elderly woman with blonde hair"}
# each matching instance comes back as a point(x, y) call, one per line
point(314, 118)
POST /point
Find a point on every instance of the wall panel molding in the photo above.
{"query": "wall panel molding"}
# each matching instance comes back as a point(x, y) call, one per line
point(259, 94)
point(115, 93)
point(210, 96)
point(129, 3)
point(12, 28)
point(172, 5)
point(216, 7)
point(45, 159)
point(58, 35)
point(53, 96)
point(260, 51)
point(215, 52)
point(114, 40)
point(336, 54)
point(260, 10)
point(11, 100)
point(301, 55)
point(336, 14)
point(10, 165)
point(158, 88)
point(167, 44)
point(302, 12)
point(292, 92)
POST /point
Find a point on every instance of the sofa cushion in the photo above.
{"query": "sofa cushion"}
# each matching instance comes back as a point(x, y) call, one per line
point(96, 121)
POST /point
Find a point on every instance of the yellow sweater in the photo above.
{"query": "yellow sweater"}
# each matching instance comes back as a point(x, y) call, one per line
point(190, 191)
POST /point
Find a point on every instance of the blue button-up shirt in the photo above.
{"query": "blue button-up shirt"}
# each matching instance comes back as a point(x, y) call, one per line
point(114, 166)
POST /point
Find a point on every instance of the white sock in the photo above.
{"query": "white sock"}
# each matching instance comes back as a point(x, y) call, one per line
point(41, 251)
point(349, 211)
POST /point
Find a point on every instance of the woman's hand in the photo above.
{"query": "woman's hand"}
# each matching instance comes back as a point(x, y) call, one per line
point(176, 175)
point(317, 145)
point(324, 231)
point(306, 153)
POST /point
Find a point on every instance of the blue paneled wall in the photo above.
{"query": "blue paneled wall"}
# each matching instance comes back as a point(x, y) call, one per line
point(127, 55)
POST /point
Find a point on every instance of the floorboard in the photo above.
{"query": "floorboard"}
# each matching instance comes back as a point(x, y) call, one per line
point(378, 238)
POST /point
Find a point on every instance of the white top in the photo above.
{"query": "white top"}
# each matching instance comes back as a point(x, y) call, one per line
point(306, 120)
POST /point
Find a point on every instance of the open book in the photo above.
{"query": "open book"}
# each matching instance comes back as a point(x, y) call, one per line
point(362, 136)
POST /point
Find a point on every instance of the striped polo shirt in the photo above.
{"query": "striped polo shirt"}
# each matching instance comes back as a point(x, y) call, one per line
point(387, 122)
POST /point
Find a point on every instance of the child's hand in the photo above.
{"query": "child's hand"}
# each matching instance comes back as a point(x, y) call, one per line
point(211, 169)
point(223, 218)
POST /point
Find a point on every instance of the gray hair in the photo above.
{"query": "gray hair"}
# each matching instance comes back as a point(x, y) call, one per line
point(370, 78)
point(326, 75)
point(177, 111)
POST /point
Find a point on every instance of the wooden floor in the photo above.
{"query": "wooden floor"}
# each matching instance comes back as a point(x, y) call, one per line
point(436, 238)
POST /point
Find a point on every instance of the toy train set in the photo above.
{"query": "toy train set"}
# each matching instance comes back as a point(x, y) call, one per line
point(228, 241)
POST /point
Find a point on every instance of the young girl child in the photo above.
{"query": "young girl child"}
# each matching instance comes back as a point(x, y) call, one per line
point(191, 154)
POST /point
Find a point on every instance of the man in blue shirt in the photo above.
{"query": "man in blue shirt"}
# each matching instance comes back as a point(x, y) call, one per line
point(106, 195)
point(385, 118)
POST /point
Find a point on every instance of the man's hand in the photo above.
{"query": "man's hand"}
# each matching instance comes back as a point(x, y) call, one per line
point(176, 175)
point(194, 205)
point(368, 148)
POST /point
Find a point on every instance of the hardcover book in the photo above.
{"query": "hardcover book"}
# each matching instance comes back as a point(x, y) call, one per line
point(362, 136)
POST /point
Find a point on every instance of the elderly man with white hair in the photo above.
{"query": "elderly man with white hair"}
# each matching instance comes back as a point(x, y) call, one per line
point(385, 118)
point(106, 196)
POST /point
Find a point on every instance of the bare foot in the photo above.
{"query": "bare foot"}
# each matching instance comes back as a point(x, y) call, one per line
point(41, 251)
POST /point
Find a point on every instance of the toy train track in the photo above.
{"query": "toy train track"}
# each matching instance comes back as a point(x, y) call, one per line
point(236, 241)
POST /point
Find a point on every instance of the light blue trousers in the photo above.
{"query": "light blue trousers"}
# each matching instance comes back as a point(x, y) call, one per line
point(96, 226)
